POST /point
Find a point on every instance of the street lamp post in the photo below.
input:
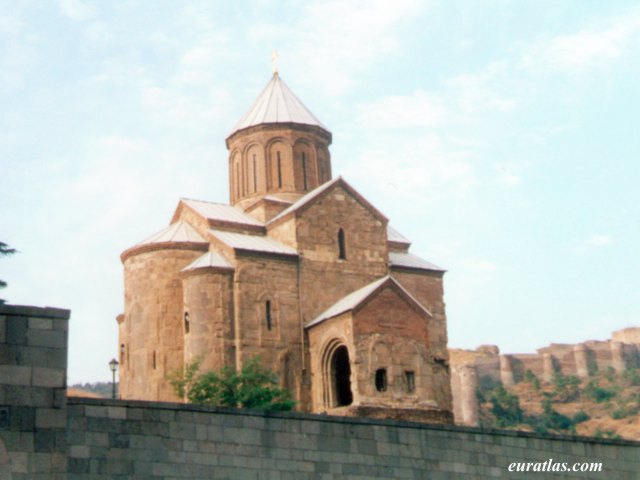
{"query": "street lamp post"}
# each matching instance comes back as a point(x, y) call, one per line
point(113, 365)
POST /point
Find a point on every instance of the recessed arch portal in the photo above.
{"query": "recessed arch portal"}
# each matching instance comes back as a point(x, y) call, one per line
point(336, 374)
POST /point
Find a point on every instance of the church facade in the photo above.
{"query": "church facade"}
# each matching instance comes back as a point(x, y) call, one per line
point(300, 270)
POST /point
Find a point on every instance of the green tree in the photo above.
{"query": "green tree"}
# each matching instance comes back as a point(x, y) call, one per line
point(253, 387)
point(566, 387)
point(4, 251)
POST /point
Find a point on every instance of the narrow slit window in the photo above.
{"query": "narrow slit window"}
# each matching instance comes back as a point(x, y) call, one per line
point(187, 326)
point(267, 308)
point(342, 251)
point(123, 350)
point(410, 379)
point(279, 171)
point(381, 380)
point(153, 360)
point(304, 170)
point(255, 177)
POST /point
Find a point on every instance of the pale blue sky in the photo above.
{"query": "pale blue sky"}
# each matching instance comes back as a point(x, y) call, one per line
point(501, 137)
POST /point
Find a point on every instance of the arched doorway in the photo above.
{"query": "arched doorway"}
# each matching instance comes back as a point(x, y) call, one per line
point(336, 374)
point(341, 377)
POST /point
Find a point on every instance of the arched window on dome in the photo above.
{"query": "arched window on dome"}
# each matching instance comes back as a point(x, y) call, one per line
point(342, 251)
point(303, 159)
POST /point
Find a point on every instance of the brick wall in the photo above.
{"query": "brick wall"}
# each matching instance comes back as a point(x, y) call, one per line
point(117, 439)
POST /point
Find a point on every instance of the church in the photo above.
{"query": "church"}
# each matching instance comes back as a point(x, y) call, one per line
point(298, 269)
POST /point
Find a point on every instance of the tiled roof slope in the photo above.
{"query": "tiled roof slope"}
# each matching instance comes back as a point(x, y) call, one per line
point(277, 104)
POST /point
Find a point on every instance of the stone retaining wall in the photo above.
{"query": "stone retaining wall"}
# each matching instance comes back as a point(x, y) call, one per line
point(127, 439)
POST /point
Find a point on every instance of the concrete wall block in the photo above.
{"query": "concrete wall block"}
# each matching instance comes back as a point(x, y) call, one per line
point(19, 461)
point(48, 377)
point(3, 328)
point(51, 418)
point(39, 323)
point(16, 330)
point(43, 357)
point(117, 413)
point(47, 338)
point(15, 375)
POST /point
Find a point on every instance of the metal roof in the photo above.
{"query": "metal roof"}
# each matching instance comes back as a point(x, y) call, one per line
point(177, 232)
point(354, 299)
point(395, 236)
point(305, 199)
point(409, 260)
point(254, 243)
point(221, 211)
point(277, 104)
point(209, 259)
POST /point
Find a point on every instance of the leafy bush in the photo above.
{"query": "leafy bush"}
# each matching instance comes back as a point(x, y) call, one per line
point(597, 393)
point(530, 377)
point(252, 387)
point(505, 406)
point(580, 417)
point(555, 420)
point(566, 387)
point(632, 376)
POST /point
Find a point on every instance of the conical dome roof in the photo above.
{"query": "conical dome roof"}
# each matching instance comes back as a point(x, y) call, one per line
point(277, 104)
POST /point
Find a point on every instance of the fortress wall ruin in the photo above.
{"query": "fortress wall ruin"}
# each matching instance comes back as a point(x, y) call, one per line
point(486, 367)
point(44, 435)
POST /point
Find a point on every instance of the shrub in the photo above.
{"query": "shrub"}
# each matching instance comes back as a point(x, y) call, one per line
point(252, 387)
point(505, 406)
point(597, 393)
point(555, 420)
point(566, 387)
point(530, 377)
point(632, 376)
point(580, 417)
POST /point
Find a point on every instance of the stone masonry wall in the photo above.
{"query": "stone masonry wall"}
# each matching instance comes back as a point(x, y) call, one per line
point(33, 415)
point(44, 435)
point(117, 439)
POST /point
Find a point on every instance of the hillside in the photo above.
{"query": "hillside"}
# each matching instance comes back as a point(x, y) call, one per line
point(606, 404)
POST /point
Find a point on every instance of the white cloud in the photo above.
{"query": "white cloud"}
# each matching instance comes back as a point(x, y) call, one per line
point(592, 243)
point(420, 109)
point(592, 47)
point(78, 10)
point(339, 39)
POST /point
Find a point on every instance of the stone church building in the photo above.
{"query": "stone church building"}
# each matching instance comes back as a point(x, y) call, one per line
point(299, 269)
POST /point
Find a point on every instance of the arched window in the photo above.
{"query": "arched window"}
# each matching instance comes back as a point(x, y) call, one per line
point(410, 379)
point(186, 322)
point(279, 171)
point(304, 170)
point(255, 175)
point(381, 379)
point(342, 251)
point(267, 309)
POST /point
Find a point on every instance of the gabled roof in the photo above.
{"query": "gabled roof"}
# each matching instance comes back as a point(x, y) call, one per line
point(178, 232)
point(395, 236)
point(359, 297)
point(221, 212)
point(209, 260)
point(318, 192)
point(277, 104)
point(253, 243)
point(409, 260)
